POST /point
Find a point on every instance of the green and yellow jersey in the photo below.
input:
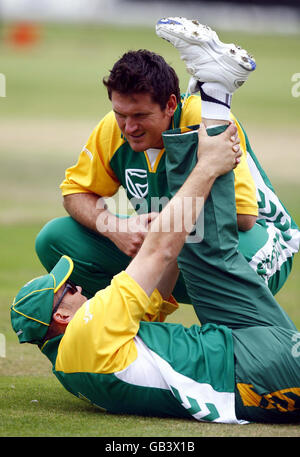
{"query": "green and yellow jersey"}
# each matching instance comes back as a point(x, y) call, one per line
point(108, 162)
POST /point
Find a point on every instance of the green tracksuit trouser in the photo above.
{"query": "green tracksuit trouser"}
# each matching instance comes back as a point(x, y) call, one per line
point(225, 290)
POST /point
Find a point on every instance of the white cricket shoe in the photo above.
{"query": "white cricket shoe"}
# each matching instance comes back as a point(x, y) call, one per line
point(206, 57)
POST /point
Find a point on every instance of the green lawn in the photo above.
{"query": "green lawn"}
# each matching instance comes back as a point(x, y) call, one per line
point(54, 99)
point(61, 76)
point(39, 406)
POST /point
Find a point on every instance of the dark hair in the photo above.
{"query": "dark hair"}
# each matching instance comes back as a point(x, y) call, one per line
point(143, 72)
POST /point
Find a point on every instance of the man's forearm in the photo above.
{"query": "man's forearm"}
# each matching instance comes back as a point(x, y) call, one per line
point(86, 208)
point(168, 280)
point(164, 241)
point(91, 211)
point(245, 222)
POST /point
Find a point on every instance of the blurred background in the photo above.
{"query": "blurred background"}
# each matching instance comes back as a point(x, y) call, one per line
point(53, 56)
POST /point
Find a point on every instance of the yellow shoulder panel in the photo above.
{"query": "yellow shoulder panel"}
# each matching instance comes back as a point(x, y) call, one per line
point(245, 188)
point(92, 173)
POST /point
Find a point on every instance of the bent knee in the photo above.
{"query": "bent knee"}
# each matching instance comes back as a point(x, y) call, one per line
point(49, 238)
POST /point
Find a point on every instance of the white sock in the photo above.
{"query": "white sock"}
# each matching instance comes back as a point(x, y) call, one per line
point(215, 101)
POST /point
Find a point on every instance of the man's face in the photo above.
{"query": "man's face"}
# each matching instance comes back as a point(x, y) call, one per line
point(73, 298)
point(141, 120)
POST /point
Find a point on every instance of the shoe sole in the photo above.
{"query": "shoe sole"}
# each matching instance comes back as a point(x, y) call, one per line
point(198, 34)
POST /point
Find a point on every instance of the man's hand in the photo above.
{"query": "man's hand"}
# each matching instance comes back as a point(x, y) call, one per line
point(221, 153)
point(90, 210)
point(130, 232)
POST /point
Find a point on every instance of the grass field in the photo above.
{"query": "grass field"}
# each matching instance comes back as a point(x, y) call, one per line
point(54, 99)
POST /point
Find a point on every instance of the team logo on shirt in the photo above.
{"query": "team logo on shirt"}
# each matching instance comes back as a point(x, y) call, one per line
point(136, 182)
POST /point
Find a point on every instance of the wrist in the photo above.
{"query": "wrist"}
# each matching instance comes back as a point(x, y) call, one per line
point(107, 224)
point(206, 170)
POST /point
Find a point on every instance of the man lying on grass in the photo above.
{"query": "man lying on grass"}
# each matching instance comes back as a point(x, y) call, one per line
point(115, 350)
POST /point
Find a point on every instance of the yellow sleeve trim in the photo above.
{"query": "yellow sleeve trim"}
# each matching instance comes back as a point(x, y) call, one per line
point(159, 309)
point(245, 188)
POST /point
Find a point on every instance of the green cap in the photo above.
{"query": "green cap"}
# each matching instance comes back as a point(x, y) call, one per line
point(31, 310)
